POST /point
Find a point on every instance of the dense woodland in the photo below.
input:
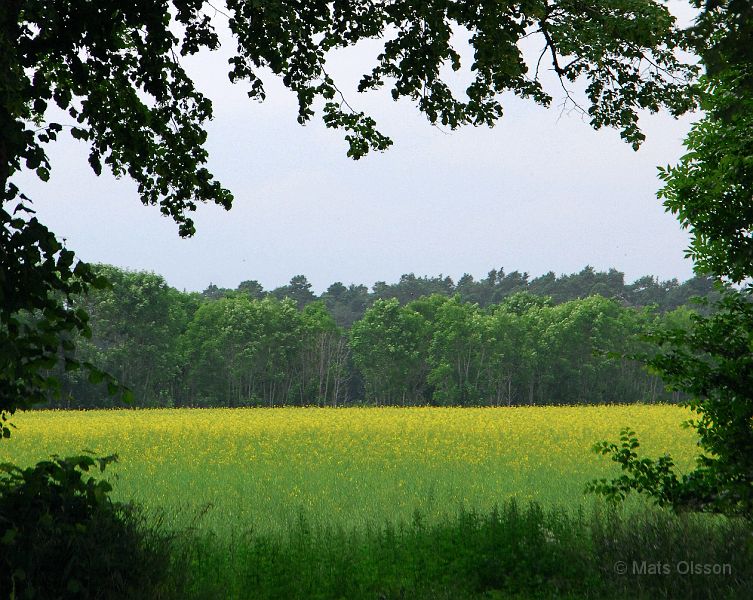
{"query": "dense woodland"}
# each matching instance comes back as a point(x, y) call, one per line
point(506, 339)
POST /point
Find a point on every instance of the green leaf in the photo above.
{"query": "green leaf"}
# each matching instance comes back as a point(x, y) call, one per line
point(9, 536)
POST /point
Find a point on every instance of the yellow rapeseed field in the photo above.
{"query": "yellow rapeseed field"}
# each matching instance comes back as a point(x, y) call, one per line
point(262, 468)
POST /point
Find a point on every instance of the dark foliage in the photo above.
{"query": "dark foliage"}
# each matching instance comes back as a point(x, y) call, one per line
point(61, 536)
point(39, 320)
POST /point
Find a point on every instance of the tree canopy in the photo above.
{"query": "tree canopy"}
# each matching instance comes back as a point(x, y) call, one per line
point(711, 189)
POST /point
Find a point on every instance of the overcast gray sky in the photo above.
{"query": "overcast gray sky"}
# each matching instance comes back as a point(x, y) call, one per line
point(540, 191)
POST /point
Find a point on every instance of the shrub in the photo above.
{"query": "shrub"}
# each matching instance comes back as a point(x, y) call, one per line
point(61, 535)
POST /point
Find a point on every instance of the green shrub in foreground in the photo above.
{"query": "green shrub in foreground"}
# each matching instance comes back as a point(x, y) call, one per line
point(62, 537)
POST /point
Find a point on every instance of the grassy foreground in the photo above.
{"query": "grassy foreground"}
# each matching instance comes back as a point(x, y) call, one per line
point(520, 552)
point(262, 469)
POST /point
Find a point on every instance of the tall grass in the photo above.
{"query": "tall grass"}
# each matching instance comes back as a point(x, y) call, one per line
point(516, 551)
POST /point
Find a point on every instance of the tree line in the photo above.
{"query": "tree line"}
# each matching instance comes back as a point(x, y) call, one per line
point(347, 304)
point(419, 341)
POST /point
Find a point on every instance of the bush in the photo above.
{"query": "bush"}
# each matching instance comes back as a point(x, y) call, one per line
point(61, 536)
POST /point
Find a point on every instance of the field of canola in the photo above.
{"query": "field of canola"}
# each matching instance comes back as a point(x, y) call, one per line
point(235, 469)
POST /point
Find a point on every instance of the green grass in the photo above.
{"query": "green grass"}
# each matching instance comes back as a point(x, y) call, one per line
point(515, 552)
